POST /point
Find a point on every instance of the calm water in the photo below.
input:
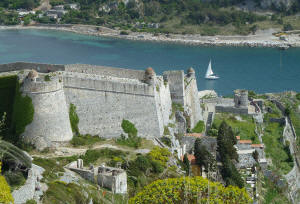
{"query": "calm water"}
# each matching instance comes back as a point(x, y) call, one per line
point(258, 69)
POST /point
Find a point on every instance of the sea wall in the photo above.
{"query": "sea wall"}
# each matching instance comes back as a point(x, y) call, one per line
point(43, 68)
point(103, 102)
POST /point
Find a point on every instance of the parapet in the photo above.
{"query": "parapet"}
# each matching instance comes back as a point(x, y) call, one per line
point(149, 76)
point(191, 72)
point(41, 83)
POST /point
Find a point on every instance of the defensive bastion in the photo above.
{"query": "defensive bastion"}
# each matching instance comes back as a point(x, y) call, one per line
point(103, 97)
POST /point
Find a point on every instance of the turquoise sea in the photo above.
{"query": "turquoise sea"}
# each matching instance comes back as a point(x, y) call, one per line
point(259, 69)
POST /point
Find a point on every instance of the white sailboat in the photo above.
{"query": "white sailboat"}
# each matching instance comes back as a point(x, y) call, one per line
point(209, 73)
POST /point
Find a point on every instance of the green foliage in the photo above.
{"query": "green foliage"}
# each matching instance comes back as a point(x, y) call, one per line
point(32, 201)
point(130, 141)
point(298, 96)
point(166, 131)
point(203, 157)
point(74, 119)
point(186, 163)
point(173, 190)
point(14, 178)
point(92, 155)
point(7, 95)
point(124, 32)
point(275, 149)
point(23, 112)
point(245, 128)
point(129, 128)
point(16, 4)
point(287, 27)
point(5, 194)
point(52, 168)
point(61, 192)
point(83, 140)
point(47, 78)
point(272, 193)
point(160, 155)
point(166, 140)
point(199, 128)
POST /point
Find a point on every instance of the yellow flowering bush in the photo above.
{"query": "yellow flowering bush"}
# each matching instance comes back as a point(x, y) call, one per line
point(160, 155)
point(5, 195)
point(190, 190)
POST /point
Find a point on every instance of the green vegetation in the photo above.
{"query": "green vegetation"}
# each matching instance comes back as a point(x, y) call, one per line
point(199, 128)
point(166, 140)
point(203, 157)
point(272, 193)
point(15, 179)
point(32, 201)
point(74, 119)
point(16, 4)
point(227, 152)
point(92, 155)
point(176, 107)
point(275, 112)
point(61, 192)
point(244, 128)
point(83, 140)
point(190, 190)
point(186, 164)
point(47, 78)
point(23, 112)
point(132, 140)
point(166, 131)
point(5, 194)
point(7, 95)
point(275, 149)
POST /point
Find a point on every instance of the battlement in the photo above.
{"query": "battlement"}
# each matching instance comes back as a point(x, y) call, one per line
point(40, 85)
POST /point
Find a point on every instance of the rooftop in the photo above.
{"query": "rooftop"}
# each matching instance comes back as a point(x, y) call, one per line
point(245, 142)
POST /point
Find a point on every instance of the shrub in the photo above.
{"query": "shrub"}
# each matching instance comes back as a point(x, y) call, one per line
point(32, 201)
point(171, 191)
point(287, 27)
point(199, 128)
point(5, 195)
point(166, 131)
point(129, 128)
point(157, 167)
point(93, 155)
point(47, 78)
point(166, 141)
point(74, 119)
point(124, 32)
point(14, 179)
point(160, 155)
point(82, 140)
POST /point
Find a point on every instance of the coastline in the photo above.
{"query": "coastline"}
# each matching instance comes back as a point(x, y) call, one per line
point(261, 39)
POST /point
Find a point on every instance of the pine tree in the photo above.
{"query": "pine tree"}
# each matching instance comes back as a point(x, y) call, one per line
point(186, 163)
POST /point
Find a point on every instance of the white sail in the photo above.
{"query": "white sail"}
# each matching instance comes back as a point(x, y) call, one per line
point(209, 71)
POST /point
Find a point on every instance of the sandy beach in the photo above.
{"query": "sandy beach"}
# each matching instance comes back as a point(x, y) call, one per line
point(262, 38)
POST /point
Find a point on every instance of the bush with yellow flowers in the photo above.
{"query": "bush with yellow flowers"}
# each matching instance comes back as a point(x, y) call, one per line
point(190, 190)
point(5, 195)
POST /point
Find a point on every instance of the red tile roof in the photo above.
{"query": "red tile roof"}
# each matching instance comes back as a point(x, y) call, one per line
point(191, 158)
point(245, 142)
point(194, 134)
point(258, 145)
point(238, 137)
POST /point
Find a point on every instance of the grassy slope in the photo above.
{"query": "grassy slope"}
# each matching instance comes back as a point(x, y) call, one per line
point(245, 129)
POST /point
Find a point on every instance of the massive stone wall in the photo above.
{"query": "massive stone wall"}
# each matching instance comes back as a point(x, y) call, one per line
point(106, 71)
point(103, 102)
point(44, 68)
point(192, 101)
point(50, 113)
point(176, 83)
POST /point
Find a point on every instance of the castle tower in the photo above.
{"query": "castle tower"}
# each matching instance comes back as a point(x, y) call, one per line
point(191, 73)
point(149, 76)
point(51, 121)
point(244, 98)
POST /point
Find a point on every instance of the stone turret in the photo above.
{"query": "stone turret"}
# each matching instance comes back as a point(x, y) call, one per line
point(149, 76)
point(191, 72)
point(51, 122)
point(241, 98)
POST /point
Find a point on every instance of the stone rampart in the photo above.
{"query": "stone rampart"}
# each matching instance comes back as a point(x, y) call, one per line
point(106, 71)
point(102, 103)
point(230, 109)
point(176, 83)
point(86, 174)
point(50, 113)
point(40, 67)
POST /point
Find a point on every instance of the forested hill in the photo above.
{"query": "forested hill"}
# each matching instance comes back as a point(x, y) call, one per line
point(206, 17)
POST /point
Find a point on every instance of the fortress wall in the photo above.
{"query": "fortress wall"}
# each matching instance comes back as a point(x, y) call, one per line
point(102, 105)
point(163, 102)
point(44, 68)
point(106, 71)
point(51, 121)
point(192, 101)
point(41, 86)
point(176, 83)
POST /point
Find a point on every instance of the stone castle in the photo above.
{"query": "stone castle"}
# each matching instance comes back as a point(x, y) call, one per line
point(103, 97)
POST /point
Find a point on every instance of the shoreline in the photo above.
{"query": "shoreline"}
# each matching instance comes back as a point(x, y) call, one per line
point(262, 39)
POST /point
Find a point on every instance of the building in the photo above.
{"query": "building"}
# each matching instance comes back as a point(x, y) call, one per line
point(114, 179)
